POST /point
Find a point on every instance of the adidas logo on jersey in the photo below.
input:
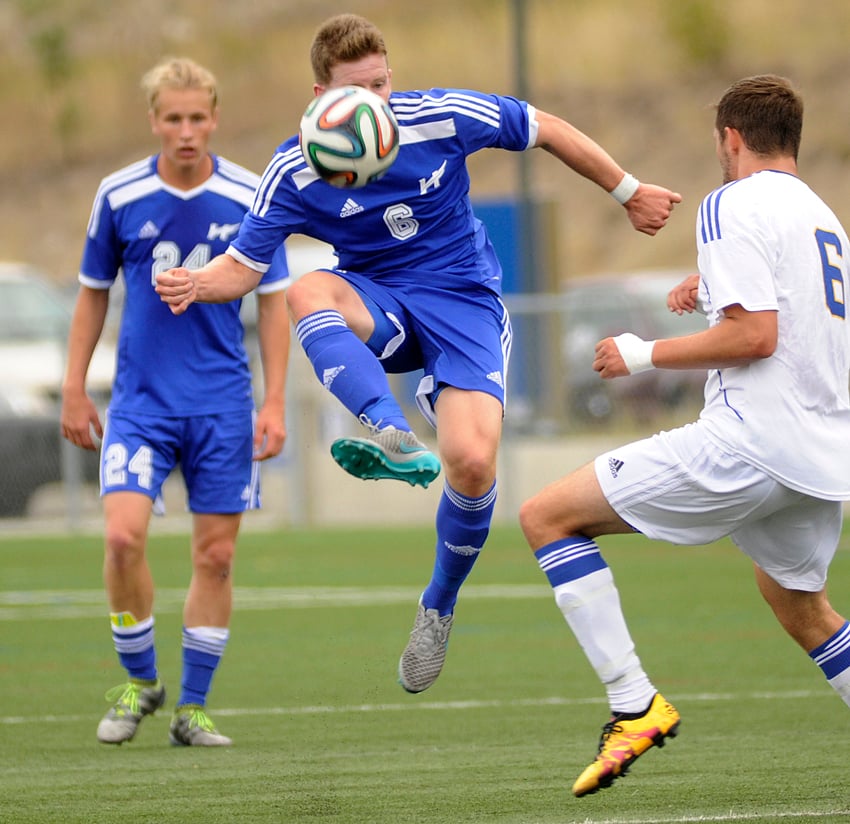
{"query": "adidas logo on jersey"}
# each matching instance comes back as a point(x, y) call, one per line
point(148, 231)
point(496, 377)
point(615, 465)
point(350, 207)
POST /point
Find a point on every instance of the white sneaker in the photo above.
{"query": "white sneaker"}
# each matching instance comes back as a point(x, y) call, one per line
point(133, 701)
point(423, 657)
point(192, 727)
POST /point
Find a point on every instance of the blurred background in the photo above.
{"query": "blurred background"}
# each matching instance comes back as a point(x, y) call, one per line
point(640, 77)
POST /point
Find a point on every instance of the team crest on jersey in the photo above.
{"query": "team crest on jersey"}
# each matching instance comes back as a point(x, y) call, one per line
point(432, 182)
point(222, 231)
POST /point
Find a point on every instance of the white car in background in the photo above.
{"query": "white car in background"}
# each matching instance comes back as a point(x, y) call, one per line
point(35, 315)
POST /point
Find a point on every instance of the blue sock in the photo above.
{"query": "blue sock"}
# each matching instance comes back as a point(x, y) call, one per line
point(833, 655)
point(134, 643)
point(569, 559)
point(202, 651)
point(462, 528)
point(348, 369)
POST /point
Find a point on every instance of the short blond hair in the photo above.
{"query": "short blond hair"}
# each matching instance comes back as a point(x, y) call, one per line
point(178, 73)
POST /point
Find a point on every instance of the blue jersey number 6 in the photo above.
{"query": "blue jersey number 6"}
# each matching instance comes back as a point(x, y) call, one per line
point(833, 279)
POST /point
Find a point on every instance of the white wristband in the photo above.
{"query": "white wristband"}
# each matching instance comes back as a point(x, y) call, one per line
point(635, 352)
point(625, 189)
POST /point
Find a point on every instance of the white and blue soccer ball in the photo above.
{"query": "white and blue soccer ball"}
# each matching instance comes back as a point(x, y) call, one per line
point(349, 136)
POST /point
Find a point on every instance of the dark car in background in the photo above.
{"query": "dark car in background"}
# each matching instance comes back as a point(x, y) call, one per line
point(604, 306)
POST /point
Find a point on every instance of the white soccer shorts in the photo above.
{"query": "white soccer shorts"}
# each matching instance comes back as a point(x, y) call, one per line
point(679, 486)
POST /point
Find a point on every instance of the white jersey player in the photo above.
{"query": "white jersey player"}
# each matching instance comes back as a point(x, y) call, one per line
point(768, 461)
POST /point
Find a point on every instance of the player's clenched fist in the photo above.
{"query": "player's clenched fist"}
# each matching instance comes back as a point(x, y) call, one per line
point(176, 288)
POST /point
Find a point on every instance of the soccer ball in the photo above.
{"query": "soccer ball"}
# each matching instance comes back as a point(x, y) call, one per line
point(349, 137)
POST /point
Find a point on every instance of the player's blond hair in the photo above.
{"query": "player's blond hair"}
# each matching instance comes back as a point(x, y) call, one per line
point(178, 73)
point(343, 39)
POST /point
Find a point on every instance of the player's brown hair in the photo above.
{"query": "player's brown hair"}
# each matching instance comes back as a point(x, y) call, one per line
point(767, 112)
point(343, 39)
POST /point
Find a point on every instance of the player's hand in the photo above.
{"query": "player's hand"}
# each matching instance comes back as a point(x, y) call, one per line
point(176, 288)
point(608, 361)
point(79, 419)
point(650, 207)
point(683, 298)
point(269, 432)
point(626, 354)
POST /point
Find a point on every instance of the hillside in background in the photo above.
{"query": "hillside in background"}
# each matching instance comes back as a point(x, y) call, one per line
point(640, 77)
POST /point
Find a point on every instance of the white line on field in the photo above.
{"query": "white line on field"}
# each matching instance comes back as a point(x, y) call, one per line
point(805, 815)
point(416, 705)
point(29, 605)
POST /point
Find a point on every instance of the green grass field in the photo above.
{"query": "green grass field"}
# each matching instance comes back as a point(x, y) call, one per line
point(323, 732)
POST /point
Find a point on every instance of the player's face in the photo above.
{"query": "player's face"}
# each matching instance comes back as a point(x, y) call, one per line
point(183, 121)
point(370, 72)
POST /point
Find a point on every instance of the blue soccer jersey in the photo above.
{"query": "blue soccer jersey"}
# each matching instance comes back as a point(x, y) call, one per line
point(417, 218)
point(192, 364)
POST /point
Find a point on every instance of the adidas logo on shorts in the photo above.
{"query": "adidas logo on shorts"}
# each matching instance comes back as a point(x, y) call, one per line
point(615, 465)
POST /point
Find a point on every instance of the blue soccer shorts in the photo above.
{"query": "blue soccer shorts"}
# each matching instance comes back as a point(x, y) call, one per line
point(213, 452)
point(456, 330)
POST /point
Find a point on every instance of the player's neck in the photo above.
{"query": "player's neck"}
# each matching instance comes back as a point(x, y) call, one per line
point(779, 163)
point(184, 177)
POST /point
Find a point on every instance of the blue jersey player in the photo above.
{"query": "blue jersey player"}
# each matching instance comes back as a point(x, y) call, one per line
point(418, 287)
point(182, 393)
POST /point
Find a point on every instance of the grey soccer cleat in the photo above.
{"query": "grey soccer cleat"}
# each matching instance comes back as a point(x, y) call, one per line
point(192, 727)
point(387, 453)
point(133, 701)
point(423, 657)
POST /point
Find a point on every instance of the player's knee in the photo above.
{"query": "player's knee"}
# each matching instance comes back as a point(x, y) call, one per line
point(471, 472)
point(215, 559)
point(309, 293)
point(530, 521)
point(124, 546)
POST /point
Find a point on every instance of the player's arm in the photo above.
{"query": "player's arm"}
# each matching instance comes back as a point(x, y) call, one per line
point(223, 279)
point(741, 337)
point(79, 414)
point(648, 206)
point(274, 336)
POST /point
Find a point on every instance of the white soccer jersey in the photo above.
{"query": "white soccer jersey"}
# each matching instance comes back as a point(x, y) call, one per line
point(768, 242)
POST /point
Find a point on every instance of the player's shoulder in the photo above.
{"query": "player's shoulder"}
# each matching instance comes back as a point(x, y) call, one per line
point(755, 200)
point(423, 105)
point(234, 172)
point(232, 181)
point(287, 164)
point(128, 175)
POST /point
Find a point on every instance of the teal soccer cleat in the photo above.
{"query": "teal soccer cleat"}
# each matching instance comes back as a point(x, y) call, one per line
point(387, 453)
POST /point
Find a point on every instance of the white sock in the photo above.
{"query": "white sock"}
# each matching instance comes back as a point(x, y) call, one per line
point(591, 607)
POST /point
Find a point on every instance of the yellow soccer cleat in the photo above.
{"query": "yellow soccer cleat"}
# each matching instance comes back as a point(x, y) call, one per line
point(625, 738)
